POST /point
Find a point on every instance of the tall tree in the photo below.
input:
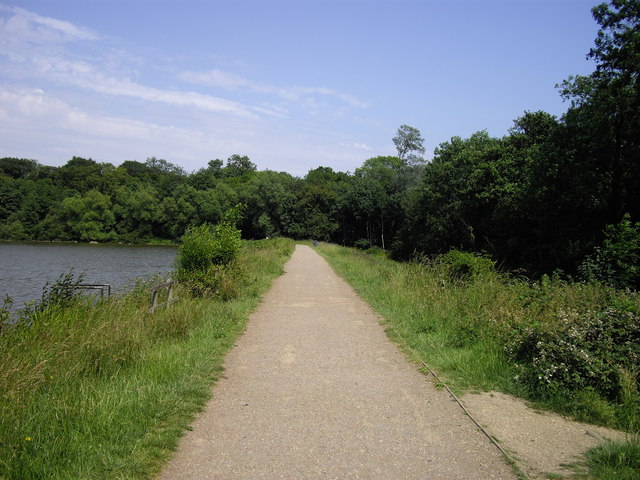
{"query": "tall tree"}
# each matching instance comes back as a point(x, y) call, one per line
point(239, 165)
point(409, 143)
point(606, 106)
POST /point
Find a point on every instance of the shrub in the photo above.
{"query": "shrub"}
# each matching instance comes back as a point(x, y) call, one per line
point(617, 261)
point(362, 243)
point(207, 245)
point(590, 350)
point(207, 254)
point(196, 252)
point(464, 266)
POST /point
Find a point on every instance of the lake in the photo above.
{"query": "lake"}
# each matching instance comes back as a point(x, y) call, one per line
point(26, 267)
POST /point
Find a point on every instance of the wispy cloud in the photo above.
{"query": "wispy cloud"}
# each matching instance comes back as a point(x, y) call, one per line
point(66, 68)
point(29, 26)
point(357, 146)
point(65, 90)
point(85, 75)
point(69, 130)
point(35, 47)
point(65, 130)
point(298, 94)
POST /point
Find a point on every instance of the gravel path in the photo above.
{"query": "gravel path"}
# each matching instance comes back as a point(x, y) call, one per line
point(315, 389)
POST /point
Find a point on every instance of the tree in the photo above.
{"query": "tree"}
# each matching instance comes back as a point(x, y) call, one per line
point(408, 142)
point(239, 165)
point(270, 199)
point(137, 212)
point(468, 199)
point(164, 166)
point(605, 107)
point(206, 178)
point(80, 174)
point(378, 182)
point(214, 167)
point(17, 167)
point(88, 217)
point(178, 211)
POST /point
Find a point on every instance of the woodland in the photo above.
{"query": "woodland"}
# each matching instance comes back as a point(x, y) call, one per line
point(553, 194)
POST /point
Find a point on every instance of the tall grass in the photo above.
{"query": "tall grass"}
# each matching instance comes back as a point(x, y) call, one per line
point(105, 391)
point(449, 324)
point(614, 461)
point(570, 347)
point(473, 327)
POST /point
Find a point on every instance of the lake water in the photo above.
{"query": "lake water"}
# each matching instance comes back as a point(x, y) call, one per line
point(25, 268)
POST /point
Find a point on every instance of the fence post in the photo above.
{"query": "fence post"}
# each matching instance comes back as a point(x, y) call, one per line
point(154, 295)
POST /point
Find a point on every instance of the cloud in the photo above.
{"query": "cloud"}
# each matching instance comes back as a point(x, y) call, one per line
point(231, 81)
point(36, 124)
point(82, 75)
point(26, 114)
point(34, 46)
point(357, 146)
point(29, 26)
point(66, 68)
point(60, 97)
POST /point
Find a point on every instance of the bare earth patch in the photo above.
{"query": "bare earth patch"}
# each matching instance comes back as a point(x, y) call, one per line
point(541, 443)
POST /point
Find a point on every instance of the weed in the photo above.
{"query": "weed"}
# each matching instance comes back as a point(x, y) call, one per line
point(573, 347)
point(614, 461)
point(104, 390)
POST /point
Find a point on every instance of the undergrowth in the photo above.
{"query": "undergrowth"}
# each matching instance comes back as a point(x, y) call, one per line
point(104, 389)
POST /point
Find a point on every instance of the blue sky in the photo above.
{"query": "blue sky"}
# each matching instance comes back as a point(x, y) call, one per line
point(292, 84)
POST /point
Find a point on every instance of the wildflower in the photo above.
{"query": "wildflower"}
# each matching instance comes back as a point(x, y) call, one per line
point(27, 439)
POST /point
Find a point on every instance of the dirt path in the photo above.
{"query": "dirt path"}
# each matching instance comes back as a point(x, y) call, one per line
point(314, 389)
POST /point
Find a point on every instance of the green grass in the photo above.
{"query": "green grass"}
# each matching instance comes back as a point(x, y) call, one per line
point(104, 392)
point(432, 321)
point(460, 325)
point(612, 461)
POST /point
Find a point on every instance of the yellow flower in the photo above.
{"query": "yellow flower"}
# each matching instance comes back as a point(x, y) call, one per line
point(27, 439)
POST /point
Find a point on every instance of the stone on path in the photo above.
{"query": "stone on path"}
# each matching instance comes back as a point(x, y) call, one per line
point(314, 389)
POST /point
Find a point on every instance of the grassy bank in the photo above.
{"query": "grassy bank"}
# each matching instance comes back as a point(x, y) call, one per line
point(104, 391)
point(570, 347)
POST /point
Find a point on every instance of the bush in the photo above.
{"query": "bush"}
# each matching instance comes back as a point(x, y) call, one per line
point(586, 350)
point(617, 261)
point(208, 252)
point(362, 244)
point(196, 251)
point(464, 266)
point(207, 245)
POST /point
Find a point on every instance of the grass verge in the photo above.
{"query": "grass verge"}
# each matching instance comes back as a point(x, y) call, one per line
point(569, 347)
point(105, 391)
point(614, 461)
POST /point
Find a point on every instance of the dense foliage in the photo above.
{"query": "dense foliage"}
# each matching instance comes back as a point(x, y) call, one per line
point(207, 256)
point(551, 194)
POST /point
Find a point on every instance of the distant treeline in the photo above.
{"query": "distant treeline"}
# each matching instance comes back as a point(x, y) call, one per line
point(539, 198)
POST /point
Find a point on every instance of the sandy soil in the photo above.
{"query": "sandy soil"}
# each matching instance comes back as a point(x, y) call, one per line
point(315, 389)
point(540, 442)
